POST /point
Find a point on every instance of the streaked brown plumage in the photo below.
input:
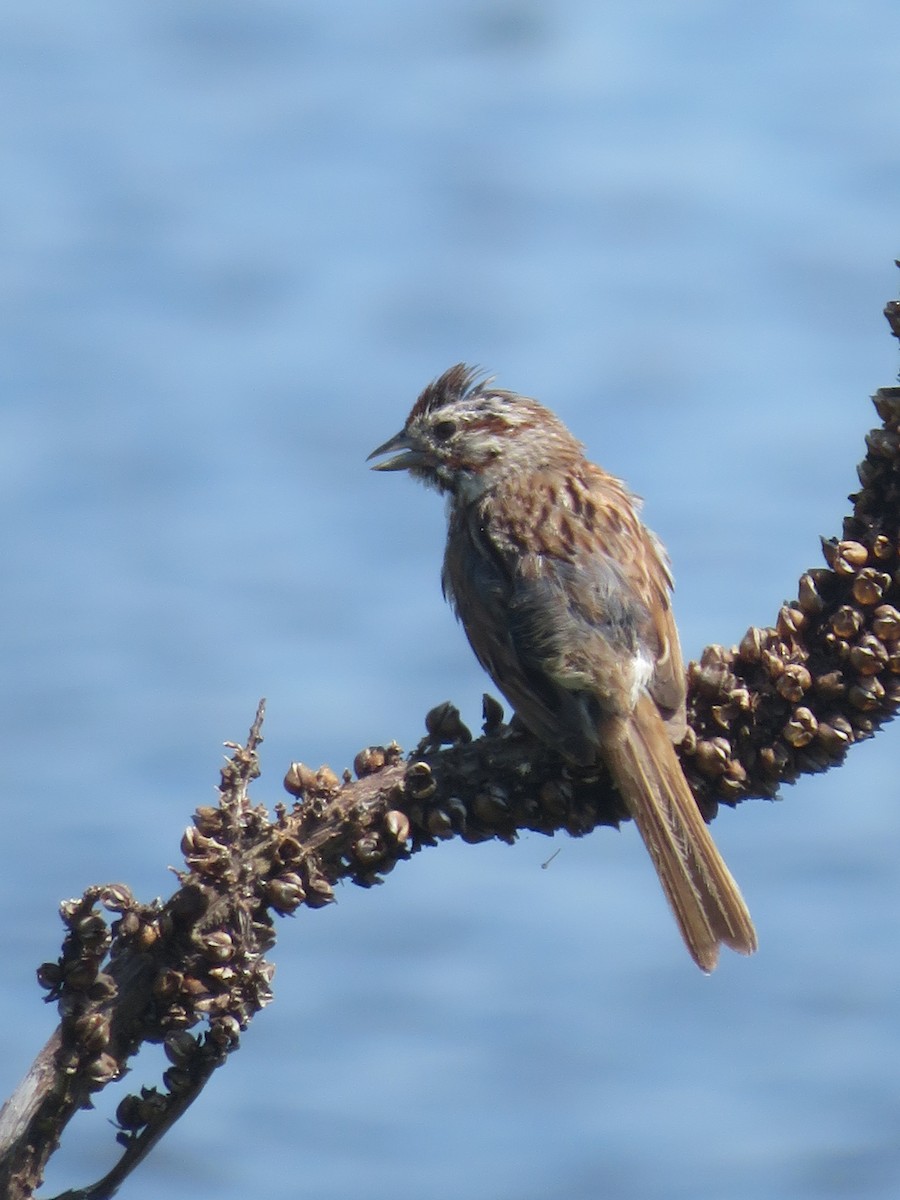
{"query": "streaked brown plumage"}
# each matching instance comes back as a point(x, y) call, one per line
point(564, 596)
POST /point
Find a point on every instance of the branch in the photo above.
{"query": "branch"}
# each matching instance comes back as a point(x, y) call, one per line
point(788, 700)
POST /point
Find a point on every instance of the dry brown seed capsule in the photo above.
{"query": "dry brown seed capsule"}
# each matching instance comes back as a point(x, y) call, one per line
point(445, 726)
point(775, 758)
point(326, 780)
point(892, 691)
point(299, 779)
point(793, 682)
point(286, 892)
point(225, 1031)
point(129, 1115)
point(791, 621)
point(117, 897)
point(751, 645)
point(167, 984)
point(419, 781)
point(868, 656)
point(870, 585)
point(882, 443)
point(439, 824)
point(882, 548)
point(102, 1070)
point(886, 623)
point(829, 550)
point(834, 740)
point(849, 558)
point(50, 974)
point(801, 729)
point(319, 891)
point(368, 849)
point(712, 756)
point(492, 804)
point(181, 1047)
point(177, 1081)
point(91, 1032)
point(287, 850)
point(772, 663)
point(217, 945)
point(689, 742)
point(808, 598)
point(492, 713)
point(397, 825)
point(846, 621)
point(867, 694)
point(147, 935)
point(208, 819)
point(368, 761)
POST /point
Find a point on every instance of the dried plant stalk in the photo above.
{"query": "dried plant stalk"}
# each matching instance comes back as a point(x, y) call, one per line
point(191, 972)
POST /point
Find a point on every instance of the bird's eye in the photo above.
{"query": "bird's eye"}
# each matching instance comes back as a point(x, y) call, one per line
point(444, 430)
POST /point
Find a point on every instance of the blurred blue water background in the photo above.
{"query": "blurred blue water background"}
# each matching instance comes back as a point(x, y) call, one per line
point(235, 241)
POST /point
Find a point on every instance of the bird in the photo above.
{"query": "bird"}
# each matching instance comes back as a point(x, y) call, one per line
point(565, 598)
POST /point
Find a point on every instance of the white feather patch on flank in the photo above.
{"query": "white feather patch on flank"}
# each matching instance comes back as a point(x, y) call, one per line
point(643, 668)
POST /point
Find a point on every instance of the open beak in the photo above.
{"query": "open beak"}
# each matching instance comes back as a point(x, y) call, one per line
point(409, 456)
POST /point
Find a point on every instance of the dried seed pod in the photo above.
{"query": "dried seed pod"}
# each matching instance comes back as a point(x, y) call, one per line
point(368, 849)
point(829, 550)
point(801, 728)
point(209, 819)
point(50, 975)
point(868, 656)
point(224, 1032)
point(117, 897)
point(772, 663)
point(419, 781)
point(882, 443)
point(846, 621)
point(101, 1071)
point(774, 759)
point(849, 557)
point(319, 891)
point(712, 756)
point(870, 585)
point(445, 726)
point(886, 623)
point(181, 1047)
point(491, 805)
point(882, 548)
point(836, 741)
point(287, 851)
point(369, 761)
point(129, 1114)
point(299, 780)
point(177, 1081)
point(217, 945)
point(285, 892)
point(326, 780)
point(752, 643)
point(809, 599)
point(887, 401)
point(492, 713)
point(91, 1031)
point(791, 621)
point(793, 682)
point(397, 825)
point(167, 984)
point(836, 646)
point(689, 741)
point(147, 935)
point(439, 824)
point(867, 694)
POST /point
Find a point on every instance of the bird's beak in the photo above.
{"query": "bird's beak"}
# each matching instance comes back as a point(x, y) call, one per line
point(410, 455)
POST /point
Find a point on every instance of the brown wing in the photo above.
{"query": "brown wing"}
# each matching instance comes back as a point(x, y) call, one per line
point(561, 592)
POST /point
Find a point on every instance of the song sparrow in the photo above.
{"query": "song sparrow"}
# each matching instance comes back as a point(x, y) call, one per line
point(564, 596)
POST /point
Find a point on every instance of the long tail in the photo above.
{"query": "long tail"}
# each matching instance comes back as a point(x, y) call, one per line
point(706, 901)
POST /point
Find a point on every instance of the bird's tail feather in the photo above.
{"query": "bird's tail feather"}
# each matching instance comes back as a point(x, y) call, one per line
point(704, 897)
